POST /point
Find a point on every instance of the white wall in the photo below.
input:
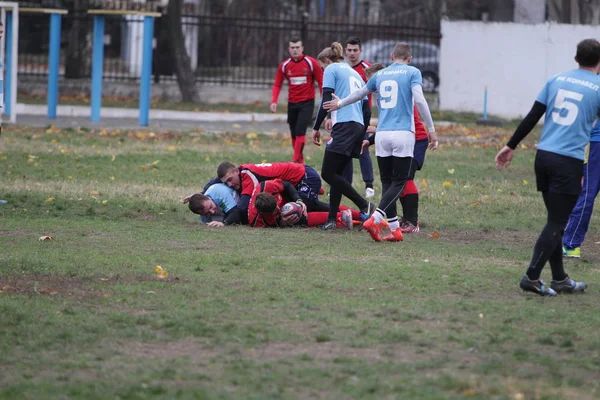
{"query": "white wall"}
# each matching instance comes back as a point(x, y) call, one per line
point(512, 60)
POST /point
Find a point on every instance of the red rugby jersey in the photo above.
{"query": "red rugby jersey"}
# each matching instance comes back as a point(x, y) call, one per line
point(274, 187)
point(360, 68)
point(420, 131)
point(301, 75)
point(251, 174)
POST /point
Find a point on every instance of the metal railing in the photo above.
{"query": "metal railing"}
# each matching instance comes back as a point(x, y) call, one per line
point(233, 47)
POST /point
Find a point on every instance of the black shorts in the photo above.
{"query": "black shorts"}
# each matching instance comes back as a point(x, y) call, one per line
point(557, 173)
point(300, 116)
point(346, 138)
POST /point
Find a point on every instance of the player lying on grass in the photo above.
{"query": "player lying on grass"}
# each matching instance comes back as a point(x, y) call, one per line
point(269, 197)
point(244, 177)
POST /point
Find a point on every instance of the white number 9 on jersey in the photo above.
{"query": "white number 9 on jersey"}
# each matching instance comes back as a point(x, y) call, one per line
point(388, 94)
point(566, 100)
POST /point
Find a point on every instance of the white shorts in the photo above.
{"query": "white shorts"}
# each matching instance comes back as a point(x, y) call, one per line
point(394, 143)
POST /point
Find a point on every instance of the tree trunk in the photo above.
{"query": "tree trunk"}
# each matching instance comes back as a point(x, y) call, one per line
point(181, 61)
point(78, 60)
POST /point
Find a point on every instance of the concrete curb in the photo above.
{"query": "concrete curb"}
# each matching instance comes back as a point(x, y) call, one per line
point(113, 112)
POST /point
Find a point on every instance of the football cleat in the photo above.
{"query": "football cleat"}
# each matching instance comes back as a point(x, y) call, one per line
point(369, 192)
point(375, 229)
point(537, 286)
point(568, 285)
point(394, 236)
point(329, 226)
point(409, 227)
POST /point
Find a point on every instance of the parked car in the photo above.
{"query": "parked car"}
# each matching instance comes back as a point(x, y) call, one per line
point(426, 57)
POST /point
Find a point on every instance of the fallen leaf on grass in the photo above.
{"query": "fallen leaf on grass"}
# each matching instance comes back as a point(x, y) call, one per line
point(160, 272)
point(49, 200)
point(434, 235)
point(45, 238)
point(447, 183)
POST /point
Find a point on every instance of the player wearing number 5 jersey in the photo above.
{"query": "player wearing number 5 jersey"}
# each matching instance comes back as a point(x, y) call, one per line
point(399, 87)
point(571, 101)
point(347, 133)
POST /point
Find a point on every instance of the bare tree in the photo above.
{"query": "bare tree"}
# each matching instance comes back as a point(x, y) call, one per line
point(181, 60)
point(78, 60)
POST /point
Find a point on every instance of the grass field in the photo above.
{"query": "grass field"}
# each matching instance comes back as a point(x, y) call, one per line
point(275, 314)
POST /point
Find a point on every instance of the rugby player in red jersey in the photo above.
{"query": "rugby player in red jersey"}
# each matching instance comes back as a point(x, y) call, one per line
point(301, 73)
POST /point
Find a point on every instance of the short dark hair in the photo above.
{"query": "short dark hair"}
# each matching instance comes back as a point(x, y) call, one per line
point(265, 203)
point(295, 39)
point(196, 203)
point(588, 53)
point(354, 40)
point(224, 168)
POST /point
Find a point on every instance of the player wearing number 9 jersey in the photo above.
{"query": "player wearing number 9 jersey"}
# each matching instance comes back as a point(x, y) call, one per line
point(399, 88)
point(347, 133)
point(571, 101)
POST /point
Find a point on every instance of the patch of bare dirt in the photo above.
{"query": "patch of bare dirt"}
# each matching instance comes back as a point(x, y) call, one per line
point(47, 285)
point(81, 288)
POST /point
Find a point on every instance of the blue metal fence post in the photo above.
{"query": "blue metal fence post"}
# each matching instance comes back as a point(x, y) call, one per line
point(485, 96)
point(97, 66)
point(8, 64)
point(53, 64)
point(146, 77)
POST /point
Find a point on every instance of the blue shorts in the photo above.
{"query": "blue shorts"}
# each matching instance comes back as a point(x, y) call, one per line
point(419, 155)
point(310, 185)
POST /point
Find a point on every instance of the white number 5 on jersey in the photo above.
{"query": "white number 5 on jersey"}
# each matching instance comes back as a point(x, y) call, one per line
point(566, 100)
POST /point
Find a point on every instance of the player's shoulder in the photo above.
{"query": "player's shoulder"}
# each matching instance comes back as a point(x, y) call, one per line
point(365, 64)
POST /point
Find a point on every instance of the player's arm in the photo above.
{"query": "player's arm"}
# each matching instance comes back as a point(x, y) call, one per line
point(505, 155)
point(327, 96)
point(366, 116)
point(317, 74)
point(423, 107)
point(289, 192)
point(527, 124)
point(276, 88)
point(338, 103)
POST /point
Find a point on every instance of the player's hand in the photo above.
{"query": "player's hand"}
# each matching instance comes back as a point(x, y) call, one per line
point(215, 224)
point(316, 137)
point(274, 107)
point(371, 129)
point(328, 125)
point(186, 199)
point(291, 219)
point(304, 210)
point(433, 141)
point(365, 146)
point(504, 157)
point(332, 105)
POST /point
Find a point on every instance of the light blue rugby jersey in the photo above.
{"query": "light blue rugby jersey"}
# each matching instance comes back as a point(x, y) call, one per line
point(344, 80)
point(572, 102)
point(394, 96)
point(224, 197)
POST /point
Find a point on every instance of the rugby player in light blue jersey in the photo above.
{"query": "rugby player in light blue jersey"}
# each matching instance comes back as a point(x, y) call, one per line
point(571, 101)
point(347, 133)
point(399, 88)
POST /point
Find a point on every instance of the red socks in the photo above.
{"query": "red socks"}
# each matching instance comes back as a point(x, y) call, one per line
point(410, 188)
point(298, 144)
